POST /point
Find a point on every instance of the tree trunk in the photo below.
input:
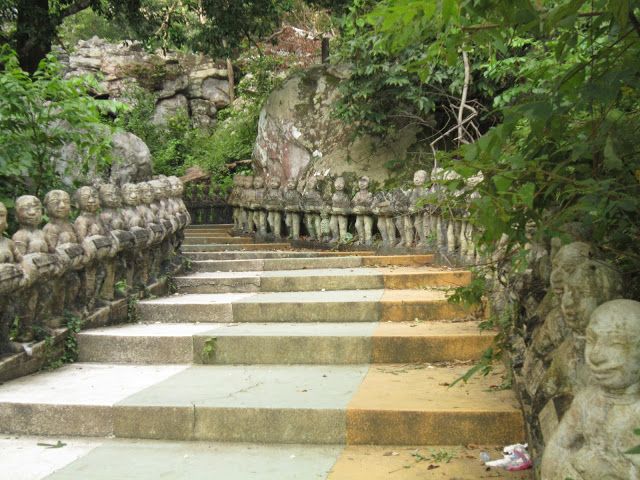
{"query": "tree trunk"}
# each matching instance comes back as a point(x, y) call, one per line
point(35, 31)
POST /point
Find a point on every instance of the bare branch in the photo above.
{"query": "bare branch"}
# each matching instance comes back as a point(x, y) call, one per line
point(465, 91)
point(75, 8)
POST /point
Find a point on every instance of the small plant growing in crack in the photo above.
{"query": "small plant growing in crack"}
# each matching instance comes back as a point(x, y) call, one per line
point(209, 349)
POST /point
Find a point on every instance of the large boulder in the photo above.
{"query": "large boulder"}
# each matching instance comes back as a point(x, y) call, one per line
point(299, 136)
point(170, 107)
point(131, 159)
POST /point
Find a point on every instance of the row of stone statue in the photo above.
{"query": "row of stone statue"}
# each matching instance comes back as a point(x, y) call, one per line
point(404, 218)
point(122, 239)
point(582, 366)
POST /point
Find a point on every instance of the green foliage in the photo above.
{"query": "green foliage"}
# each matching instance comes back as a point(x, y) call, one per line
point(87, 23)
point(73, 325)
point(635, 450)
point(39, 115)
point(209, 349)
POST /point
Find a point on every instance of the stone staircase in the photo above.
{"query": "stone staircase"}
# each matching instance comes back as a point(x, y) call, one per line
point(271, 363)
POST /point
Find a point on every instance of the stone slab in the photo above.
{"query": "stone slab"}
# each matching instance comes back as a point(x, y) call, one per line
point(231, 248)
point(189, 308)
point(409, 404)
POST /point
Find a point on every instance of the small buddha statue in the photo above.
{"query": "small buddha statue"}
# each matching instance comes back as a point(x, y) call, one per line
point(274, 203)
point(340, 208)
point(362, 205)
point(292, 207)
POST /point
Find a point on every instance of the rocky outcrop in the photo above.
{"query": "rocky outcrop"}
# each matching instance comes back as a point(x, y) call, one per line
point(190, 83)
point(298, 135)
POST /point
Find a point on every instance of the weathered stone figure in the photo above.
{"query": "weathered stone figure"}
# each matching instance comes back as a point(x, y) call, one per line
point(381, 207)
point(402, 220)
point(416, 209)
point(312, 203)
point(137, 260)
point(274, 203)
point(10, 279)
point(595, 433)
point(246, 215)
point(362, 205)
point(292, 208)
point(61, 236)
point(29, 239)
point(259, 214)
point(177, 189)
point(340, 208)
point(91, 232)
point(150, 211)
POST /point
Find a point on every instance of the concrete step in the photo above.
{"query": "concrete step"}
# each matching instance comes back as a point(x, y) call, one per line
point(345, 275)
point(308, 262)
point(210, 226)
point(284, 343)
point(329, 306)
point(388, 404)
point(217, 240)
point(255, 255)
point(235, 247)
point(28, 458)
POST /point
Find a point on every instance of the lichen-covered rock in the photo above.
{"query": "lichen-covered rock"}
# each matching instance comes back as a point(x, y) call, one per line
point(170, 107)
point(298, 136)
point(132, 159)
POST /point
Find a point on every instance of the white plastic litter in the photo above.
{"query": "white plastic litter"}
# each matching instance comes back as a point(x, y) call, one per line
point(515, 458)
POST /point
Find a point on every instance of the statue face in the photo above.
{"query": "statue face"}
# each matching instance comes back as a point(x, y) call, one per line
point(612, 352)
point(291, 184)
point(258, 182)
point(419, 178)
point(58, 204)
point(109, 195)
point(88, 199)
point(130, 194)
point(3, 217)
point(145, 193)
point(29, 211)
point(565, 262)
point(339, 184)
point(158, 189)
point(177, 188)
point(590, 285)
point(363, 183)
point(274, 183)
point(248, 181)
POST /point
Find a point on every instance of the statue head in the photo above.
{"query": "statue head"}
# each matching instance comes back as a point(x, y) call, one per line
point(258, 182)
point(291, 184)
point(3, 218)
point(166, 183)
point(274, 183)
point(177, 187)
point(28, 211)
point(146, 194)
point(612, 350)
point(130, 194)
point(109, 196)
point(248, 181)
point(237, 180)
point(58, 204)
point(566, 261)
point(589, 285)
point(157, 187)
point(87, 199)
point(363, 183)
point(419, 177)
point(338, 184)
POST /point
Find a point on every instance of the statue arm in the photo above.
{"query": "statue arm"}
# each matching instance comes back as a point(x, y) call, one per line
point(21, 245)
point(81, 230)
point(51, 236)
point(564, 444)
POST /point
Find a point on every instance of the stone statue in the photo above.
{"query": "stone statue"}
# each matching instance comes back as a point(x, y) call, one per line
point(246, 215)
point(416, 209)
point(553, 331)
point(152, 213)
point(340, 208)
point(438, 227)
point(234, 201)
point(381, 207)
point(112, 217)
point(136, 259)
point(274, 203)
point(400, 208)
point(177, 189)
point(61, 236)
point(590, 284)
point(312, 203)
point(292, 208)
point(97, 245)
point(10, 280)
point(362, 205)
point(597, 430)
point(30, 240)
point(256, 205)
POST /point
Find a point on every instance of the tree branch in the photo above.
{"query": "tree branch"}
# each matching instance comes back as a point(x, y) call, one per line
point(75, 8)
point(634, 21)
point(463, 99)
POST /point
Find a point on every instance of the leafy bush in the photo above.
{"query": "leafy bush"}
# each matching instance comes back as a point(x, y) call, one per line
point(41, 114)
